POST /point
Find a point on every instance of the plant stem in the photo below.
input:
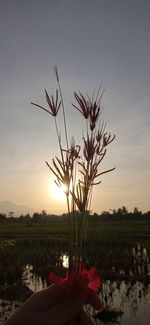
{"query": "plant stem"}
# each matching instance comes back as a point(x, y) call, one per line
point(64, 117)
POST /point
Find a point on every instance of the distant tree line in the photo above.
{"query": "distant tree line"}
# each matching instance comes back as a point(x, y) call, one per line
point(122, 214)
point(119, 214)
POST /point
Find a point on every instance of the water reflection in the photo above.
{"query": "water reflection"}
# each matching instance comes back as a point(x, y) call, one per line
point(6, 309)
point(141, 260)
point(131, 298)
point(124, 269)
point(32, 280)
point(65, 261)
point(7, 242)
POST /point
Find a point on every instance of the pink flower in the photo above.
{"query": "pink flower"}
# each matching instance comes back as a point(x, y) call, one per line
point(81, 278)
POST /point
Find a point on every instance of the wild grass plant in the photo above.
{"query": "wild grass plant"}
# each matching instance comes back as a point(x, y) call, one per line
point(77, 169)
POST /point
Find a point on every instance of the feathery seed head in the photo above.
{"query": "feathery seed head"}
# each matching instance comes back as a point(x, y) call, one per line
point(83, 105)
point(53, 103)
point(94, 112)
point(56, 72)
point(89, 148)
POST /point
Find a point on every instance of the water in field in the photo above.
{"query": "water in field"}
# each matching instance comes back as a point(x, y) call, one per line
point(125, 278)
point(132, 298)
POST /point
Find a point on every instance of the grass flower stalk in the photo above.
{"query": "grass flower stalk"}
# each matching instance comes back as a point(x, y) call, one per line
point(79, 167)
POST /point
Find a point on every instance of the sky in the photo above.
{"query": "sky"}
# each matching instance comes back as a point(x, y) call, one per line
point(91, 41)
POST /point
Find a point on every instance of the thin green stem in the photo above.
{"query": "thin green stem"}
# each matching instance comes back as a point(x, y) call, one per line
point(57, 132)
point(64, 116)
point(75, 221)
point(59, 142)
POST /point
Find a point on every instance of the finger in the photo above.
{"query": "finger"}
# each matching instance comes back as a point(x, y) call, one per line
point(65, 311)
point(45, 299)
point(75, 320)
point(85, 319)
point(94, 300)
point(82, 319)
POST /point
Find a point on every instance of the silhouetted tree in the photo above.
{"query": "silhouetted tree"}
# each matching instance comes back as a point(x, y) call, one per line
point(36, 216)
point(136, 211)
point(124, 210)
point(2, 216)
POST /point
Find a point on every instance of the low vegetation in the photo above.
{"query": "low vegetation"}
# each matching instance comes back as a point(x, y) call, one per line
point(115, 225)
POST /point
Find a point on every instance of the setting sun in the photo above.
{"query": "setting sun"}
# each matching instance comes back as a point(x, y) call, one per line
point(57, 192)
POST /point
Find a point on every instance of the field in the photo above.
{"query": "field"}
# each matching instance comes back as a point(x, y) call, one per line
point(99, 230)
point(121, 245)
point(30, 250)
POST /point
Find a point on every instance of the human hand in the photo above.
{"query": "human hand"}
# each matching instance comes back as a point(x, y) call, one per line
point(56, 306)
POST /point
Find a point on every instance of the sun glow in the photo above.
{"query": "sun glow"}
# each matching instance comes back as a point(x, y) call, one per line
point(58, 192)
point(65, 261)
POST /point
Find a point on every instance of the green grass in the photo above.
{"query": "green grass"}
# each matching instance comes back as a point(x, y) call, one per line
point(110, 243)
point(136, 231)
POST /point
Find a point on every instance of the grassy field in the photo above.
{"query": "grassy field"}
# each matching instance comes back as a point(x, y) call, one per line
point(117, 244)
point(136, 231)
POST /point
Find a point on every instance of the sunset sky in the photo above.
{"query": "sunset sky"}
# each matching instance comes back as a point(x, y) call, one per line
point(91, 41)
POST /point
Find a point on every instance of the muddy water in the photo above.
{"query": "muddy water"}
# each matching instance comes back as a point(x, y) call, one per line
point(129, 294)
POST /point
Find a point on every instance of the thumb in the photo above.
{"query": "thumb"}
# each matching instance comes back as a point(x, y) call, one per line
point(65, 311)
